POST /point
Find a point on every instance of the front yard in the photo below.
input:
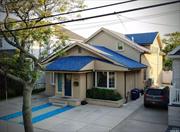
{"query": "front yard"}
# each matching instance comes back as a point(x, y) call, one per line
point(79, 119)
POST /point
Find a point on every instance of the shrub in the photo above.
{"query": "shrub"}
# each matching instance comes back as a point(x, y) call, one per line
point(105, 94)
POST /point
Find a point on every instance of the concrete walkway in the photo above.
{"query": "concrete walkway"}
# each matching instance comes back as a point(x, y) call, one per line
point(145, 120)
point(87, 118)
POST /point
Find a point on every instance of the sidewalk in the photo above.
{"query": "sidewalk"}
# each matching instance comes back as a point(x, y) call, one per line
point(87, 118)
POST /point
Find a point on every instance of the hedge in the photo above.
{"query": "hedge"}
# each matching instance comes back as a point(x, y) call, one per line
point(104, 94)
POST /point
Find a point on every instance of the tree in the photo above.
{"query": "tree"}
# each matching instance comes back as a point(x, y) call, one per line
point(171, 41)
point(26, 64)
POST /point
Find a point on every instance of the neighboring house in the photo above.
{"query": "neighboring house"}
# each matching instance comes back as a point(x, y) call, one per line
point(142, 47)
point(5, 47)
point(54, 42)
point(154, 59)
point(85, 66)
point(174, 104)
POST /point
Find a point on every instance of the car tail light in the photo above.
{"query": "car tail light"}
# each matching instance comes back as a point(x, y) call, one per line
point(162, 97)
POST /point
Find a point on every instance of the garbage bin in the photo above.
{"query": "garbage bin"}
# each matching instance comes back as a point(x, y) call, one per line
point(135, 94)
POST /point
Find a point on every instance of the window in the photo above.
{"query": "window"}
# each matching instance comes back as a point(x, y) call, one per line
point(1, 45)
point(105, 79)
point(102, 79)
point(120, 46)
point(79, 50)
point(52, 78)
point(111, 80)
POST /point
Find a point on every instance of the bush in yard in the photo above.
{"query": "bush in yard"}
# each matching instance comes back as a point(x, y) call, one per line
point(104, 94)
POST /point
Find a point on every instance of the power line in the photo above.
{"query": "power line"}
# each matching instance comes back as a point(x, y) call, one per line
point(71, 12)
point(97, 16)
point(161, 24)
point(137, 18)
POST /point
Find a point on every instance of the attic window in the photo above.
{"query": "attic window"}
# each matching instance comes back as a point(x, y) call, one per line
point(79, 50)
point(120, 46)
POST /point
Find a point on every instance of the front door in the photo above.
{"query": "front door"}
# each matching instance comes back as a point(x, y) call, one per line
point(60, 79)
point(67, 80)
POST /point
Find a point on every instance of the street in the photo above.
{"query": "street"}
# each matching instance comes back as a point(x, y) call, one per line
point(144, 120)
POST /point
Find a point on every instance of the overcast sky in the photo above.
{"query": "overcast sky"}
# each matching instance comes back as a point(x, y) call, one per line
point(164, 19)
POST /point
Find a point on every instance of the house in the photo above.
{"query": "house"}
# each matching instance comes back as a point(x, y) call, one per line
point(153, 59)
point(107, 59)
point(85, 66)
point(174, 104)
point(142, 47)
point(37, 48)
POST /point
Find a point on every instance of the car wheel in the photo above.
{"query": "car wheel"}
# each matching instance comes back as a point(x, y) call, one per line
point(145, 105)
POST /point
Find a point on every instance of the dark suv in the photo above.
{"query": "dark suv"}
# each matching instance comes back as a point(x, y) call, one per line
point(156, 97)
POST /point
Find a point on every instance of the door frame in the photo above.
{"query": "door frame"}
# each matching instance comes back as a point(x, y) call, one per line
point(71, 85)
point(57, 79)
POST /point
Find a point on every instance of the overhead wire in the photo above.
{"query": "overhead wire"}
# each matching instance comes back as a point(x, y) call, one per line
point(77, 11)
point(96, 16)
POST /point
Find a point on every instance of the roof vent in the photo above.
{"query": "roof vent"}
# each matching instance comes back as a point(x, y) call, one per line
point(132, 38)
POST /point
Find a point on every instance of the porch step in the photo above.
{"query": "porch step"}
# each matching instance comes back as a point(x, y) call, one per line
point(64, 101)
point(59, 104)
point(56, 100)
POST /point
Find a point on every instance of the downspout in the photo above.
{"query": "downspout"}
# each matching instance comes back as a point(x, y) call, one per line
point(140, 59)
point(86, 82)
point(125, 96)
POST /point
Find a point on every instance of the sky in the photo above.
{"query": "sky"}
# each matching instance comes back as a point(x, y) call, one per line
point(164, 19)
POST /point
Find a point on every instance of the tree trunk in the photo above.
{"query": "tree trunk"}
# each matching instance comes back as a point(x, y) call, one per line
point(26, 109)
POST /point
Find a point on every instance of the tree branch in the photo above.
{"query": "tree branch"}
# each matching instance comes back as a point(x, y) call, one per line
point(12, 77)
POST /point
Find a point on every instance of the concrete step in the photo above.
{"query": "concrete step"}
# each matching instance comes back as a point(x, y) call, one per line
point(59, 104)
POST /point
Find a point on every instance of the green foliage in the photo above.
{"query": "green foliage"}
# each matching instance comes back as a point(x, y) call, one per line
point(22, 64)
point(171, 41)
point(105, 94)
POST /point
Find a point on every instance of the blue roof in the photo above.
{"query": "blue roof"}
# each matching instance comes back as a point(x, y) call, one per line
point(70, 63)
point(142, 38)
point(121, 59)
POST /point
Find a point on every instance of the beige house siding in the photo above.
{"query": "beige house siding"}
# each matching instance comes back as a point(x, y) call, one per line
point(108, 67)
point(89, 80)
point(75, 89)
point(120, 83)
point(50, 89)
point(104, 39)
point(154, 61)
point(74, 51)
point(82, 88)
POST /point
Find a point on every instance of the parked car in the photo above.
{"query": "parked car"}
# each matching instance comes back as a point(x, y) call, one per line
point(156, 97)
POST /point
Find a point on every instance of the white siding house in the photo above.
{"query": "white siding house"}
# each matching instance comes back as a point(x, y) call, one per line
point(174, 105)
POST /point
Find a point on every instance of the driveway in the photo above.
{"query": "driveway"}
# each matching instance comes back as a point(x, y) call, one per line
point(87, 118)
point(144, 120)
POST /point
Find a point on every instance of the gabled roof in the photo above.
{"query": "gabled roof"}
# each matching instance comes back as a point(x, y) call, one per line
point(175, 53)
point(120, 37)
point(72, 35)
point(121, 59)
point(108, 55)
point(70, 63)
point(143, 39)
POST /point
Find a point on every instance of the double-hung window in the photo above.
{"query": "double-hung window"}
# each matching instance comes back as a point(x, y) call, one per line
point(105, 80)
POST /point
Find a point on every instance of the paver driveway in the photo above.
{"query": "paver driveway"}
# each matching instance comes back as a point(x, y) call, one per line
point(87, 118)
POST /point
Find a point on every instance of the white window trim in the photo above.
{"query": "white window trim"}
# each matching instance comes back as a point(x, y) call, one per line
point(107, 80)
point(52, 79)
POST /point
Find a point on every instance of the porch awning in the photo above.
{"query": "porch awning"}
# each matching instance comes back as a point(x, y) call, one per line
point(71, 63)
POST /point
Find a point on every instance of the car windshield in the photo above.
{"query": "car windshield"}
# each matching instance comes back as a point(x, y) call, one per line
point(155, 92)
